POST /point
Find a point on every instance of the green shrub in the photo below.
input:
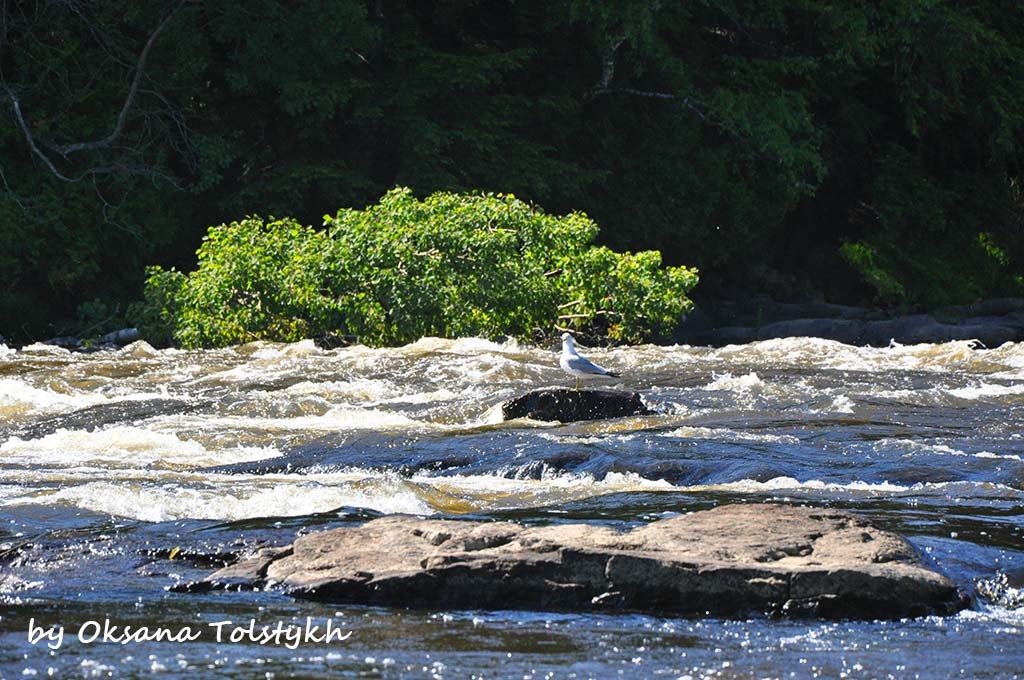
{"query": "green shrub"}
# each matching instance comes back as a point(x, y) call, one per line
point(451, 265)
point(156, 315)
point(628, 297)
point(255, 280)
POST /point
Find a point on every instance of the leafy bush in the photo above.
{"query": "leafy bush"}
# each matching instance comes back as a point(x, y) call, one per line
point(451, 265)
point(156, 315)
point(255, 280)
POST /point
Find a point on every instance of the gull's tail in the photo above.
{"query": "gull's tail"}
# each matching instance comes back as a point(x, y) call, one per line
point(610, 374)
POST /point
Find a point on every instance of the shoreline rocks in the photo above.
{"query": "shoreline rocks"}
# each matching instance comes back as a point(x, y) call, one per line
point(111, 341)
point(990, 322)
point(741, 318)
point(567, 405)
point(733, 560)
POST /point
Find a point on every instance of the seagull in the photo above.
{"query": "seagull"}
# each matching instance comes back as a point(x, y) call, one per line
point(573, 364)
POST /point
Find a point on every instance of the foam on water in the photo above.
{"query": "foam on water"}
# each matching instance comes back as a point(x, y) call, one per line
point(337, 419)
point(861, 488)
point(39, 348)
point(841, 404)
point(365, 389)
point(1001, 456)
point(121, 447)
point(731, 383)
point(370, 392)
point(234, 498)
point(987, 390)
point(927, 448)
point(140, 349)
point(169, 496)
point(238, 501)
point(299, 392)
point(656, 358)
point(10, 584)
point(725, 434)
point(998, 591)
point(612, 482)
point(10, 487)
point(473, 493)
point(791, 484)
point(431, 397)
point(1011, 618)
point(494, 492)
point(18, 399)
point(274, 351)
point(806, 352)
point(432, 345)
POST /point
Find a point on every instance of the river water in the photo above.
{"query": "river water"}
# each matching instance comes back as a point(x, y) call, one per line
point(124, 473)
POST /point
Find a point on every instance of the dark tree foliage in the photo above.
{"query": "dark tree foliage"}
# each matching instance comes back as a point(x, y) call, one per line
point(874, 147)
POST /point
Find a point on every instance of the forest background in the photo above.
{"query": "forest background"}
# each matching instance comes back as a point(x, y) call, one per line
point(859, 152)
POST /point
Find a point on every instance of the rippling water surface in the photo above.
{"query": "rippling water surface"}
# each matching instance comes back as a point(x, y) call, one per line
point(122, 473)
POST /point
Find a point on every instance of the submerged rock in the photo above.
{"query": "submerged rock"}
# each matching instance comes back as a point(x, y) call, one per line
point(731, 560)
point(568, 406)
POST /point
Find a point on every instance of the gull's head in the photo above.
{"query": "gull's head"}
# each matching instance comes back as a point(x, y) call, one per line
point(567, 341)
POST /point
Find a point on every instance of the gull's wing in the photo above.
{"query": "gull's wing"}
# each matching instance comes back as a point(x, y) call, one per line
point(584, 365)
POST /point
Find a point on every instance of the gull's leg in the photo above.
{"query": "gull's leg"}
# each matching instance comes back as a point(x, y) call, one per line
point(577, 383)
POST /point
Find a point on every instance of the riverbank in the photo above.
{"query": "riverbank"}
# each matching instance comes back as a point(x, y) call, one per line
point(741, 320)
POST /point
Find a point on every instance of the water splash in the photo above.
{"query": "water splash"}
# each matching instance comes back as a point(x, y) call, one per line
point(998, 591)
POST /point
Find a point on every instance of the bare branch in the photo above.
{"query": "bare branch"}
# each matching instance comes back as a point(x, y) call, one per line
point(689, 102)
point(10, 193)
point(186, 148)
point(48, 152)
point(99, 170)
point(122, 117)
point(109, 208)
point(16, 105)
point(608, 63)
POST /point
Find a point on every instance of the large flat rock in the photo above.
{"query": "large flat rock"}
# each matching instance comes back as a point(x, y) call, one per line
point(732, 560)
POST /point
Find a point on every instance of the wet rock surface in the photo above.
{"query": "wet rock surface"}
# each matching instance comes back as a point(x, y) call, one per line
point(733, 560)
point(110, 341)
point(566, 405)
point(990, 322)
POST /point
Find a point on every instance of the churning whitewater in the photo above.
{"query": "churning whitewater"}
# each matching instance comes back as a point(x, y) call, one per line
point(104, 456)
